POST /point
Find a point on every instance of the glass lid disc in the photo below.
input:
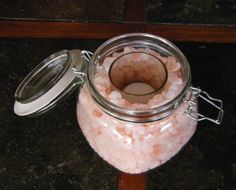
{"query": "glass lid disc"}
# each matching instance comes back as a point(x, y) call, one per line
point(50, 82)
point(43, 77)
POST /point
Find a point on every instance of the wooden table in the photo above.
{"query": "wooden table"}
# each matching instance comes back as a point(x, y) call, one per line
point(131, 182)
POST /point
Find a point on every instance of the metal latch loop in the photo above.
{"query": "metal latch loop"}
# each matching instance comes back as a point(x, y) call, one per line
point(86, 55)
point(191, 98)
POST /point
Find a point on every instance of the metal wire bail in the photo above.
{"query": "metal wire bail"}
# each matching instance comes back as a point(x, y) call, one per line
point(192, 97)
point(86, 55)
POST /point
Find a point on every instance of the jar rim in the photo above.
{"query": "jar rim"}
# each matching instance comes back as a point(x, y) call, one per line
point(134, 115)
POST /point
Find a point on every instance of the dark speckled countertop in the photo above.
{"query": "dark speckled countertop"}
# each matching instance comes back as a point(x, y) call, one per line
point(192, 11)
point(50, 152)
point(157, 11)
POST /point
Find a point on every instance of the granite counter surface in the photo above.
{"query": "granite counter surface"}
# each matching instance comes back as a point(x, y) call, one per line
point(157, 11)
point(50, 152)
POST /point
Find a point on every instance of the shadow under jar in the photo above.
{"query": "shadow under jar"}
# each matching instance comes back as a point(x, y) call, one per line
point(136, 105)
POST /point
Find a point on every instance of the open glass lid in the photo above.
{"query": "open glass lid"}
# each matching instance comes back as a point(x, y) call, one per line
point(50, 82)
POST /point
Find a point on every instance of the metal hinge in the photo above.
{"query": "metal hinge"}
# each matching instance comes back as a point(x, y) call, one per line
point(80, 74)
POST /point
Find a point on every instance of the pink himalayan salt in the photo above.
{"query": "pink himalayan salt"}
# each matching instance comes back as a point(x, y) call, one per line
point(107, 62)
point(115, 95)
point(172, 65)
point(132, 147)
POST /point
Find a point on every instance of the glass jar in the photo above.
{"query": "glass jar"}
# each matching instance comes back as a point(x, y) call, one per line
point(136, 105)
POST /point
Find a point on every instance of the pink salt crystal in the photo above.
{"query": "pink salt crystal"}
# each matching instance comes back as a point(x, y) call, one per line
point(100, 88)
point(173, 87)
point(170, 95)
point(97, 113)
point(118, 102)
point(177, 66)
point(121, 102)
point(139, 106)
point(172, 78)
point(128, 128)
point(172, 130)
point(172, 65)
point(107, 63)
point(144, 57)
point(127, 104)
point(129, 49)
point(171, 60)
point(141, 130)
point(99, 80)
point(178, 80)
point(136, 57)
point(172, 91)
point(154, 53)
point(100, 68)
point(155, 101)
point(128, 142)
point(115, 95)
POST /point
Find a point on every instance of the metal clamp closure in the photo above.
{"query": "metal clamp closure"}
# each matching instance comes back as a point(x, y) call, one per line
point(192, 97)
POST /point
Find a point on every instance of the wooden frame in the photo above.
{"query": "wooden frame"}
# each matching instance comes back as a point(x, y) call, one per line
point(175, 32)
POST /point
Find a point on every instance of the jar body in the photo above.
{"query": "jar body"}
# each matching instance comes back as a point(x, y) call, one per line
point(133, 147)
point(136, 128)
